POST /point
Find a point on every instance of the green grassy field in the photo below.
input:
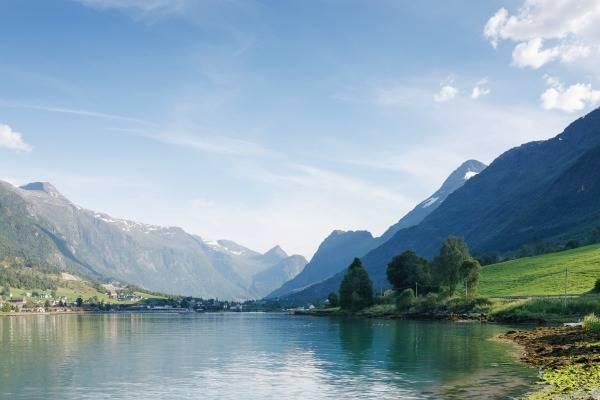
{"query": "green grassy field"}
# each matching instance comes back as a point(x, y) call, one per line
point(543, 275)
point(74, 289)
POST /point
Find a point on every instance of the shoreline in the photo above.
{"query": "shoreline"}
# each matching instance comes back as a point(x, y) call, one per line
point(451, 317)
point(568, 359)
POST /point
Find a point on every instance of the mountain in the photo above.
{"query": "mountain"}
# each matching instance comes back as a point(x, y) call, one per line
point(275, 255)
point(338, 250)
point(275, 276)
point(38, 222)
point(457, 178)
point(334, 254)
point(540, 191)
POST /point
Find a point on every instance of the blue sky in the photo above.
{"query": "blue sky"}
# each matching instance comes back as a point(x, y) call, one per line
point(275, 122)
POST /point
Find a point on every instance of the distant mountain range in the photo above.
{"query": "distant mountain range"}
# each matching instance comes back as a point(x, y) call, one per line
point(544, 191)
point(338, 250)
point(39, 223)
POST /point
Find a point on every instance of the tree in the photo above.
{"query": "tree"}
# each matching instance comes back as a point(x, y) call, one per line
point(356, 290)
point(596, 288)
point(470, 270)
point(47, 304)
point(333, 299)
point(571, 244)
point(405, 270)
point(488, 259)
point(447, 265)
point(79, 302)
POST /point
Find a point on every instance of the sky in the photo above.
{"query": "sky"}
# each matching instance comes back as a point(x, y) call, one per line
point(276, 122)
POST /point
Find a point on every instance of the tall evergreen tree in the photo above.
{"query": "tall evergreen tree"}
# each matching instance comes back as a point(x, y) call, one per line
point(356, 290)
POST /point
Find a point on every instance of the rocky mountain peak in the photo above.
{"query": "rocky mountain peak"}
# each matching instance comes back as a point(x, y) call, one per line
point(43, 189)
point(276, 253)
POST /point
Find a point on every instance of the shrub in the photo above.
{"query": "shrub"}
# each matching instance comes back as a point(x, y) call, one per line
point(431, 301)
point(591, 323)
point(405, 299)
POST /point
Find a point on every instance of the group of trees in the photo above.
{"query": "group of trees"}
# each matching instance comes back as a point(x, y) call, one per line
point(25, 278)
point(453, 266)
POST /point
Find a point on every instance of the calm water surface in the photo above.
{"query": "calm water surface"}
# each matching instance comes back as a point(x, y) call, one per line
point(253, 356)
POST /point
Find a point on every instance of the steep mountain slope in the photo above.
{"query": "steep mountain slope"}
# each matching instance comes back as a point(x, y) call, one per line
point(457, 179)
point(42, 224)
point(546, 190)
point(339, 249)
point(275, 276)
point(334, 254)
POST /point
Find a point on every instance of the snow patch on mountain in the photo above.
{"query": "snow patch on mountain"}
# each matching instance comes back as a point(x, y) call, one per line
point(215, 245)
point(429, 202)
point(470, 174)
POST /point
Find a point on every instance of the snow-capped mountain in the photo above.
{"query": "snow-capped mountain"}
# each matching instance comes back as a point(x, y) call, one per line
point(455, 180)
point(338, 250)
point(38, 221)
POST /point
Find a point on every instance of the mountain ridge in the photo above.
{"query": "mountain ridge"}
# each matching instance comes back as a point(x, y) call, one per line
point(40, 222)
point(525, 195)
point(339, 249)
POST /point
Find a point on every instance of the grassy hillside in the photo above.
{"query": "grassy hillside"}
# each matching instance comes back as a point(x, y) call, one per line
point(543, 275)
point(25, 281)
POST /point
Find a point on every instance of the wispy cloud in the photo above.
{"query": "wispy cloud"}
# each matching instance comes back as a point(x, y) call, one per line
point(480, 89)
point(299, 222)
point(213, 144)
point(447, 91)
point(139, 6)
point(72, 111)
point(12, 140)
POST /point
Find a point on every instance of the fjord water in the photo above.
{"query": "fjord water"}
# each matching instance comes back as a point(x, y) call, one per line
point(253, 356)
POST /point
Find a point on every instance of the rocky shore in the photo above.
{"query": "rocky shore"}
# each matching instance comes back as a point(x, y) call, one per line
point(569, 359)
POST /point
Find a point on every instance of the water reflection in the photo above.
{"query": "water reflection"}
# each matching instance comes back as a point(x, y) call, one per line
point(118, 356)
point(356, 339)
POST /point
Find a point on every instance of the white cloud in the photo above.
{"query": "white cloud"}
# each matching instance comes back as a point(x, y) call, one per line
point(494, 26)
point(446, 93)
point(570, 26)
point(480, 89)
point(570, 99)
point(533, 54)
point(12, 140)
